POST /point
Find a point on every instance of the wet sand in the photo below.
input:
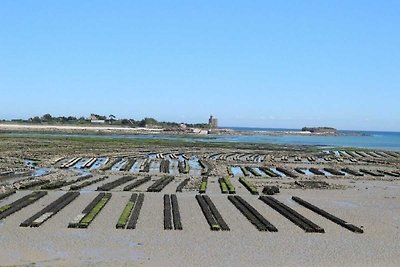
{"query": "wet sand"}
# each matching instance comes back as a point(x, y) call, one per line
point(376, 209)
point(368, 201)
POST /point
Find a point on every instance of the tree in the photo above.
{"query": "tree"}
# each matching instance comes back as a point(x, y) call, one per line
point(47, 117)
point(71, 118)
point(125, 122)
point(62, 119)
point(111, 117)
point(147, 121)
point(36, 119)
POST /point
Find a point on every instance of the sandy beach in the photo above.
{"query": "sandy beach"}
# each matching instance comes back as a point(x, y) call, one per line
point(370, 202)
point(75, 128)
point(375, 208)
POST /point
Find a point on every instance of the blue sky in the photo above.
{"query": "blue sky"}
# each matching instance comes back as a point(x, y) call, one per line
point(250, 63)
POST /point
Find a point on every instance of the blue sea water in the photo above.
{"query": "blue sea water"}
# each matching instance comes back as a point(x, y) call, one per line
point(370, 140)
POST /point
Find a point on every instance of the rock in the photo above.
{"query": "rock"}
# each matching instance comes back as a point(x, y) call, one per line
point(270, 190)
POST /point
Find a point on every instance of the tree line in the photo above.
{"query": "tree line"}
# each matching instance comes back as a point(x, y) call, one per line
point(111, 119)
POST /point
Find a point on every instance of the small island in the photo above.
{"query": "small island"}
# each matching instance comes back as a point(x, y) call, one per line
point(319, 130)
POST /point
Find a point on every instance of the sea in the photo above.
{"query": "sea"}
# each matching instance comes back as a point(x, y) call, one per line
point(365, 139)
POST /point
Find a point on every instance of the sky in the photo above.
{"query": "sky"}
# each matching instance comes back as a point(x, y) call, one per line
point(260, 63)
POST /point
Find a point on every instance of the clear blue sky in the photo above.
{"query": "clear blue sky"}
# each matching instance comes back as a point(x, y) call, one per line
point(250, 63)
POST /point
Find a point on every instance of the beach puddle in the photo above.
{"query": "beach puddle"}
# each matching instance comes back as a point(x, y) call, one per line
point(278, 172)
point(195, 167)
point(180, 157)
point(155, 166)
point(40, 172)
point(152, 156)
point(136, 167)
point(99, 162)
point(37, 171)
point(117, 166)
point(173, 167)
point(237, 171)
point(257, 170)
point(307, 172)
point(326, 173)
point(79, 164)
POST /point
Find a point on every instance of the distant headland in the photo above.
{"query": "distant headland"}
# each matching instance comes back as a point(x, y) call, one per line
point(111, 124)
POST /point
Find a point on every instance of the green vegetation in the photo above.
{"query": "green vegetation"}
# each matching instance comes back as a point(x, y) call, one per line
point(268, 172)
point(229, 170)
point(203, 185)
point(4, 208)
point(215, 227)
point(187, 167)
point(223, 186)
point(184, 166)
point(231, 188)
point(245, 172)
point(84, 223)
point(319, 129)
point(252, 171)
point(248, 185)
point(123, 219)
point(110, 119)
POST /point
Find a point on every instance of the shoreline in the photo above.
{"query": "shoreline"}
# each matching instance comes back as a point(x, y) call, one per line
point(101, 129)
point(222, 138)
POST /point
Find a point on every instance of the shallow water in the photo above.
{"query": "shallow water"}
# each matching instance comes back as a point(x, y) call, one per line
point(155, 166)
point(237, 171)
point(136, 167)
point(195, 167)
point(173, 167)
point(40, 172)
point(259, 171)
point(152, 156)
point(307, 172)
point(79, 164)
point(99, 162)
point(278, 172)
point(37, 171)
point(326, 173)
point(117, 166)
point(372, 140)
